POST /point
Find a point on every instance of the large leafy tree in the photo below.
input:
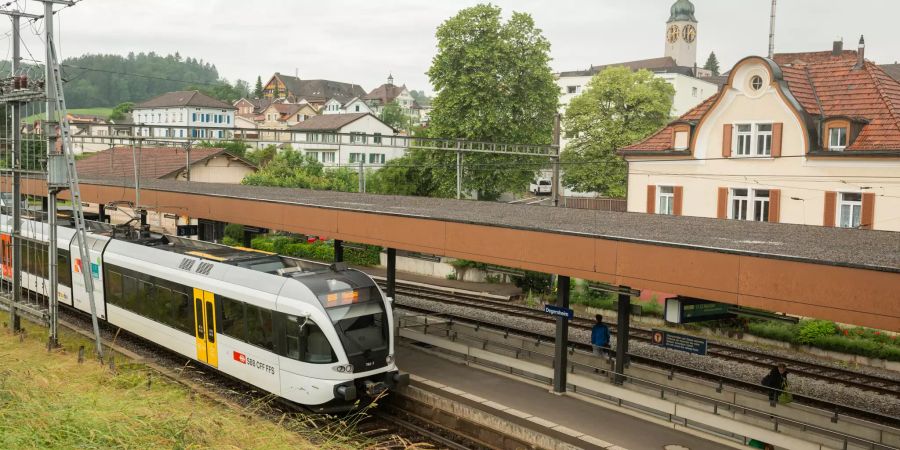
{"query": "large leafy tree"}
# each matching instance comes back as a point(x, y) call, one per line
point(289, 168)
point(122, 111)
point(494, 83)
point(619, 107)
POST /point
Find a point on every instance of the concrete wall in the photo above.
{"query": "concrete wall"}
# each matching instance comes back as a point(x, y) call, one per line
point(440, 269)
point(219, 169)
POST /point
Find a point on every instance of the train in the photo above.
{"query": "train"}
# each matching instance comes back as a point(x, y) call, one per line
point(318, 335)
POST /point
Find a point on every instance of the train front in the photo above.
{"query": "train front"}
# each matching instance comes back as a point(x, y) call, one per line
point(348, 338)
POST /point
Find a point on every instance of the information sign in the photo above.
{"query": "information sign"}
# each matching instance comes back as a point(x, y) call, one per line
point(680, 342)
point(559, 311)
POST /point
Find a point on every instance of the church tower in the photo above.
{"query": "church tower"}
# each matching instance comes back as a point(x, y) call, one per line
point(681, 34)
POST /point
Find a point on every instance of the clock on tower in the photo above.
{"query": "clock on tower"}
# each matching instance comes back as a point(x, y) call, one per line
point(681, 34)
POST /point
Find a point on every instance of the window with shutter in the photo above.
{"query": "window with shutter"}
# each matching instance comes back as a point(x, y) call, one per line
point(867, 222)
point(726, 141)
point(651, 199)
point(722, 204)
point(830, 208)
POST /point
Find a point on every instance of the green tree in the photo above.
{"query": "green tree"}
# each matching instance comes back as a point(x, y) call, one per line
point(407, 175)
point(393, 115)
point(494, 83)
point(121, 111)
point(258, 89)
point(712, 64)
point(289, 168)
point(262, 156)
point(618, 107)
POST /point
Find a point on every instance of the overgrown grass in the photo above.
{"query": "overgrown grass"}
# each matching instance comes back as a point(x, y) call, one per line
point(368, 255)
point(604, 300)
point(104, 112)
point(48, 400)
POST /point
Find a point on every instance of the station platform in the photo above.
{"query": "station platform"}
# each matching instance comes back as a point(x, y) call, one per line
point(600, 427)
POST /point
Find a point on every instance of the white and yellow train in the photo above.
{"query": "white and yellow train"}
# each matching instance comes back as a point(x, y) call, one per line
point(315, 334)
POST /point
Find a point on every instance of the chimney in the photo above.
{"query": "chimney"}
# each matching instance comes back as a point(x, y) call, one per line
point(861, 54)
point(838, 48)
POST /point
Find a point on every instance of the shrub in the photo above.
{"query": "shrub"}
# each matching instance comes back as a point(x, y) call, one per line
point(321, 251)
point(778, 331)
point(235, 232)
point(810, 330)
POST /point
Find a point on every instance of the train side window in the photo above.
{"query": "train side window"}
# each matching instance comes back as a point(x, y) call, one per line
point(232, 318)
point(185, 320)
point(259, 327)
point(114, 287)
point(129, 293)
point(306, 342)
point(63, 268)
point(146, 304)
point(162, 307)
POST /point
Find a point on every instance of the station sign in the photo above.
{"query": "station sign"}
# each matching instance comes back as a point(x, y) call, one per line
point(559, 311)
point(687, 310)
point(680, 342)
point(186, 230)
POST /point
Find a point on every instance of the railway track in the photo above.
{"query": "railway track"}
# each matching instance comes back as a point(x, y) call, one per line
point(866, 382)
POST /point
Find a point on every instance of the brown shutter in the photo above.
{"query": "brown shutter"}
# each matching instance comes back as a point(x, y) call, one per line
point(830, 208)
point(867, 218)
point(722, 208)
point(651, 199)
point(679, 198)
point(726, 141)
point(774, 205)
point(776, 139)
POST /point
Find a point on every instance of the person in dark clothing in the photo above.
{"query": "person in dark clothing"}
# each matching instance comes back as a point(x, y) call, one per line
point(600, 336)
point(775, 381)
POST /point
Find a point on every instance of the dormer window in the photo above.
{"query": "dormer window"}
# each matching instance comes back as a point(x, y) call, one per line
point(837, 138)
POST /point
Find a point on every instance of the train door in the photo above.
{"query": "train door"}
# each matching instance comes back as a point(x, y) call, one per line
point(205, 327)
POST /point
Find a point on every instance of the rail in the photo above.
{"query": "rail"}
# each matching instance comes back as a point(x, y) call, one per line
point(664, 390)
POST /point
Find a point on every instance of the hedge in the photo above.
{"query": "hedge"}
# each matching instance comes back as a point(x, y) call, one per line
point(317, 251)
point(826, 335)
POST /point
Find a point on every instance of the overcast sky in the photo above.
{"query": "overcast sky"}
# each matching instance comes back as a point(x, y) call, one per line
point(360, 41)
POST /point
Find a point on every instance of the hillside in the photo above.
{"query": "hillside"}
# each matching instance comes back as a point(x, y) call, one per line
point(98, 80)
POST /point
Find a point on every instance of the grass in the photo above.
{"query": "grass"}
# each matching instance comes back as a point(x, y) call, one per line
point(48, 400)
point(105, 112)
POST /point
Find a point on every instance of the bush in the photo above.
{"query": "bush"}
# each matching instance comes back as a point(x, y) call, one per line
point(810, 330)
point(779, 331)
point(235, 232)
point(317, 251)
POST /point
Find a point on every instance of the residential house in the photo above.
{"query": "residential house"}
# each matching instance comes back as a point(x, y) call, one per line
point(281, 116)
point(354, 105)
point(389, 92)
point(347, 139)
point(185, 114)
point(207, 165)
point(804, 138)
point(314, 92)
point(251, 106)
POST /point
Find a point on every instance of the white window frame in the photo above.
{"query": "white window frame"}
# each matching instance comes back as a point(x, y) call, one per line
point(357, 137)
point(831, 144)
point(754, 206)
point(755, 137)
point(376, 158)
point(854, 207)
point(665, 200)
point(328, 157)
point(355, 157)
point(312, 154)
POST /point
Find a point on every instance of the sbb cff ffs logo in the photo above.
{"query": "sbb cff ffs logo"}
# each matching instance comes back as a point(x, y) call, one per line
point(240, 357)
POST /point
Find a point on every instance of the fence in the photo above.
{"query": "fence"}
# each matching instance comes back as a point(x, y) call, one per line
point(598, 204)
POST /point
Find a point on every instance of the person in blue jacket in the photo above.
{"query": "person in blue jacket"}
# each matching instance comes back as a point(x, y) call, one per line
point(600, 337)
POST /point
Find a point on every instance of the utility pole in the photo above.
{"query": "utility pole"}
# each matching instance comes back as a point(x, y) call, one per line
point(16, 166)
point(362, 177)
point(62, 174)
point(459, 170)
point(554, 160)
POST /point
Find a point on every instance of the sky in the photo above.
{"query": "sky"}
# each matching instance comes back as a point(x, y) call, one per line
point(361, 41)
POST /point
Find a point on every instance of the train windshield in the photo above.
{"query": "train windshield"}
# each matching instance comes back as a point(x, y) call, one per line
point(362, 327)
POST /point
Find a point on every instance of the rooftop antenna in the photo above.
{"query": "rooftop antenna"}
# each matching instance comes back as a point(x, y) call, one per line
point(772, 32)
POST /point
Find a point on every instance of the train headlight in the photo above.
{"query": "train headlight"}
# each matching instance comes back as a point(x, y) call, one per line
point(343, 368)
point(389, 359)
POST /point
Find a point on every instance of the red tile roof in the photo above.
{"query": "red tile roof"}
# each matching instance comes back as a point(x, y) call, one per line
point(826, 86)
point(155, 162)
